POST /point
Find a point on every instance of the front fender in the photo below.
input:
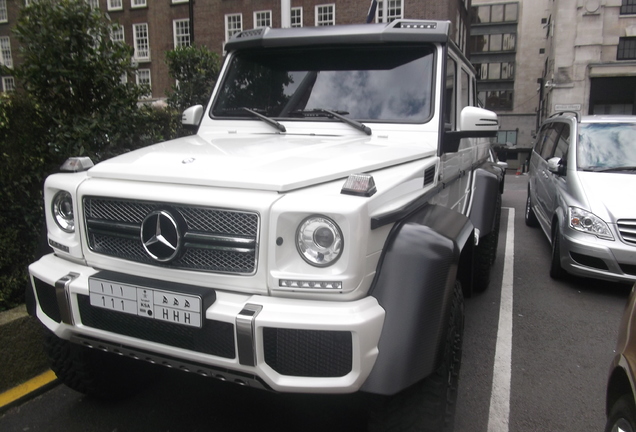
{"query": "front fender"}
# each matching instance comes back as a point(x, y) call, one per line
point(414, 284)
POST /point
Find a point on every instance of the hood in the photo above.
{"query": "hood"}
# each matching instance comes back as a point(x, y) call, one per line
point(608, 194)
point(266, 162)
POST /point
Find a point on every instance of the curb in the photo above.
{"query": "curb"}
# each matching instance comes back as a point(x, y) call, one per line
point(22, 355)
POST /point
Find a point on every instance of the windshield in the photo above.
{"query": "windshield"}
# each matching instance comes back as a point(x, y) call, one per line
point(388, 83)
point(607, 146)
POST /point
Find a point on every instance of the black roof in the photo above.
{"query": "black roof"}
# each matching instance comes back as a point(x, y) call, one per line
point(403, 30)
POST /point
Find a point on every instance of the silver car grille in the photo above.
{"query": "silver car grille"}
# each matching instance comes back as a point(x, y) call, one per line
point(216, 240)
point(627, 230)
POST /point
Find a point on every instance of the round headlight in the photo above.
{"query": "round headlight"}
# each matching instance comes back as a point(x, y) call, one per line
point(62, 208)
point(319, 241)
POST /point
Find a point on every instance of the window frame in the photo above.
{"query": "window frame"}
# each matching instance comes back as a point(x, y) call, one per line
point(5, 47)
point(136, 43)
point(137, 80)
point(112, 7)
point(4, 12)
point(142, 4)
point(5, 80)
point(628, 7)
point(318, 13)
point(233, 31)
point(391, 17)
point(300, 17)
point(176, 36)
point(622, 51)
point(117, 28)
point(256, 18)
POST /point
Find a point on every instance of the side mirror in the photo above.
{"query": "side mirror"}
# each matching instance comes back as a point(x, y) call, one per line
point(192, 116)
point(556, 166)
point(473, 123)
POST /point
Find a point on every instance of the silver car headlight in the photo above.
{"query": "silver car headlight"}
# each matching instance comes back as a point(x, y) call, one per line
point(319, 241)
point(584, 221)
point(62, 209)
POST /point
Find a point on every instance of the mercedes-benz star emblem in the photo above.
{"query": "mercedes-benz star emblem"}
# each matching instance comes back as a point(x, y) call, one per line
point(160, 235)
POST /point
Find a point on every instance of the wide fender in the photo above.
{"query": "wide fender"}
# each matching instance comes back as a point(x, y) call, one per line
point(483, 208)
point(414, 284)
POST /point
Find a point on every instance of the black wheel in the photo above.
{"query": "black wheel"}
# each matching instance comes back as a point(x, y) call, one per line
point(622, 415)
point(486, 253)
point(93, 372)
point(556, 271)
point(531, 218)
point(429, 405)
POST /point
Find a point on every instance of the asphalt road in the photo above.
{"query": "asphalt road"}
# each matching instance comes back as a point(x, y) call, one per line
point(562, 336)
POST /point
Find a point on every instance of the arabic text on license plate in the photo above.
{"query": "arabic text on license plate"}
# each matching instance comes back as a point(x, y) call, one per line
point(146, 302)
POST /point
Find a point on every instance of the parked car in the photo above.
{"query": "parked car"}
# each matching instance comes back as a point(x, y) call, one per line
point(619, 401)
point(581, 172)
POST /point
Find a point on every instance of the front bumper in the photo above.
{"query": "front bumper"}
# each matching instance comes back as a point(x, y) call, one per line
point(588, 256)
point(286, 345)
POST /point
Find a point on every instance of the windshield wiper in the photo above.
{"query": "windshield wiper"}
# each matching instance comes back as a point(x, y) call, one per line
point(336, 114)
point(611, 169)
point(266, 119)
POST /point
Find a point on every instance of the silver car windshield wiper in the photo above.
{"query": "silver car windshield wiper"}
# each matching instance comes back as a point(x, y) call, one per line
point(266, 119)
point(336, 114)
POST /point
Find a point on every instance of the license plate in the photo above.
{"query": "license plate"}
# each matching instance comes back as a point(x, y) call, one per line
point(151, 303)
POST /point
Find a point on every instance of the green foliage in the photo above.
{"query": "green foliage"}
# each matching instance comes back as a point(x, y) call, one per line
point(196, 70)
point(73, 102)
point(73, 70)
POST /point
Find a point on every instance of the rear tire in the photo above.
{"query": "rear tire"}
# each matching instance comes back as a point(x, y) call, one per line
point(486, 253)
point(429, 405)
point(93, 372)
point(530, 217)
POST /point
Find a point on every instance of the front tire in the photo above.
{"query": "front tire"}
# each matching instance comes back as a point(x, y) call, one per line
point(429, 405)
point(486, 253)
point(622, 415)
point(93, 372)
point(556, 271)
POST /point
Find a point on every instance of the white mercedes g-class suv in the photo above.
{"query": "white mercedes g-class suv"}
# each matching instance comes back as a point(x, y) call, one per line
point(317, 234)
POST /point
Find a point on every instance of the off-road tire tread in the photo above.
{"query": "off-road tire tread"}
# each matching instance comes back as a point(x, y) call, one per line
point(486, 253)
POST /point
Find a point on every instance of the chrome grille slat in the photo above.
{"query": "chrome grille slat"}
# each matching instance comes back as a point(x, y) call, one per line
point(219, 240)
point(627, 230)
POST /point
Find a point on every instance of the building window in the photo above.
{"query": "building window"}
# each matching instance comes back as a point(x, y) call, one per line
point(143, 78)
point(297, 17)
point(495, 71)
point(5, 52)
point(326, 15)
point(626, 48)
point(93, 3)
point(8, 84)
point(628, 7)
point(181, 33)
point(141, 42)
point(137, 3)
point(493, 42)
point(262, 19)
point(179, 1)
point(233, 25)
point(115, 5)
point(497, 100)
point(4, 17)
point(507, 12)
point(117, 33)
point(508, 137)
point(395, 8)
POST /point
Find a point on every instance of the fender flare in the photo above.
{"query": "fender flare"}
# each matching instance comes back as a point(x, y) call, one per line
point(486, 189)
point(414, 284)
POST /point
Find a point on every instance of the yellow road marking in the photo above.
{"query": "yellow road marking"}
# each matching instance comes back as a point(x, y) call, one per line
point(24, 389)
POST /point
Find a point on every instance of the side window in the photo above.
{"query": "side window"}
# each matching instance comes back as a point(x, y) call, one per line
point(561, 150)
point(450, 111)
point(464, 92)
point(552, 133)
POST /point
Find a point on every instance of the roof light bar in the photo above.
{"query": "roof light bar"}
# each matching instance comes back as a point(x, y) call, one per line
point(331, 285)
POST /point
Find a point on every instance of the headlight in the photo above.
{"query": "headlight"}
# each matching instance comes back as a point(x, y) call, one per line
point(62, 208)
point(319, 241)
point(587, 222)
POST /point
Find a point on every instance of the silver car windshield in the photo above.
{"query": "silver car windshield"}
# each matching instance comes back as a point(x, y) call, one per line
point(606, 147)
point(388, 83)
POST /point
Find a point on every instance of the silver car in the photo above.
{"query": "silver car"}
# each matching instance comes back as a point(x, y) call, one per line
point(580, 192)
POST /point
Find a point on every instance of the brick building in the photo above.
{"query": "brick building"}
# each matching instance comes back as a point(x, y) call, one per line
point(154, 27)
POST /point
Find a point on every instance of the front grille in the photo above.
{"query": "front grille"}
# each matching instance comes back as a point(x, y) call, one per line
point(627, 230)
point(215, 337)
point(215, 240)
point(308, 353)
